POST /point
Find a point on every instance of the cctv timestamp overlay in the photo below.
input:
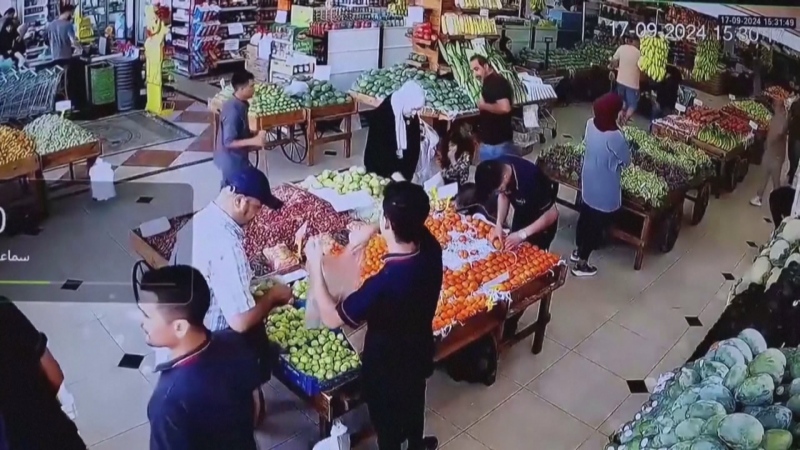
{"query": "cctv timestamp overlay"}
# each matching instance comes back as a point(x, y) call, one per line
point(691, 32)
point(758, 21)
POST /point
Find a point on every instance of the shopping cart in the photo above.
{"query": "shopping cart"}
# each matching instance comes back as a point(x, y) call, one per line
point(27, 93)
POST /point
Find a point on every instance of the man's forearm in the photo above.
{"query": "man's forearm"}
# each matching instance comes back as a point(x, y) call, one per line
point(245, 321)
point(502, 210)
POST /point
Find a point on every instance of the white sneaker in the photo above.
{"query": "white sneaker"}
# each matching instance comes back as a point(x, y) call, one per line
point(756, 201)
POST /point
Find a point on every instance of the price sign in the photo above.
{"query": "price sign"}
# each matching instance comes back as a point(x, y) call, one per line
point(235, 29)
point(680, 108)
point(753, 125)
point(231, 45)
point(478, 43)
point(484, 12)
point(732, 97)
point(63, 106)
point(697, 102)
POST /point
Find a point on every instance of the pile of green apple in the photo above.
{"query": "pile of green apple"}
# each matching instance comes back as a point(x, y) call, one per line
point(300, 289)
point(318, 352)
point(353, 179)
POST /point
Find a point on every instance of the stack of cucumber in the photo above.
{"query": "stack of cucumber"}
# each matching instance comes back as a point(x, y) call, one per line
point(457, 55)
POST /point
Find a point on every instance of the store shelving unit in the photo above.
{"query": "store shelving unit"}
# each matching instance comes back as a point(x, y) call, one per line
point(102, 13)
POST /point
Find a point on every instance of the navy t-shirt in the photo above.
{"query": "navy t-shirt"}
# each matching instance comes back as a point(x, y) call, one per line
point(204, 400)
point(531, 194)
point(398, 304)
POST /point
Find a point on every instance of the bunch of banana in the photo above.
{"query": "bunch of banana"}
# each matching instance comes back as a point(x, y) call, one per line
point(706, 60)
point(399, 7)
point(716, 136)
point(467, 25)
point(537, 5)
point(653, 61)
point(479, 4)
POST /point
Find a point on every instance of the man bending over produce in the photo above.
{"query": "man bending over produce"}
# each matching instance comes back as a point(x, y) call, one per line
point(235, 140)
point(213, 242)
point(398, 305)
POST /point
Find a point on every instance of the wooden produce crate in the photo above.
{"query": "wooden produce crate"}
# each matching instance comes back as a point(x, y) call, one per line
point(332, 110)
point(19, 168)
point(87, 151)
point(277, 120)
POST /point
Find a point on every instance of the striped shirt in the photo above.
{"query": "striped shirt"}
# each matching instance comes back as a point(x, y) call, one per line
point(213, 243)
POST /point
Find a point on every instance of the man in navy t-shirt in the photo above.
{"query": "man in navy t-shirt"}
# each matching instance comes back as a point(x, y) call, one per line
point(204, 396)
point(398, 304)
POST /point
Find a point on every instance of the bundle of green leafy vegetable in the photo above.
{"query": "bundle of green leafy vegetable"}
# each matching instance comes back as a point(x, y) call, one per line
point(741, 395)
point(566, 161)
point(650, 154)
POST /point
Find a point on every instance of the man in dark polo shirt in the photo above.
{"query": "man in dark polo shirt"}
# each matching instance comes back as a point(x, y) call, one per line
point(235, 140)
point(494, 123)
point(398, 305)
point(204, 396)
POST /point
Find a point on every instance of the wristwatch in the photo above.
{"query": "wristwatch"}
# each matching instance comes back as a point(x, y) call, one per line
point(522, 234)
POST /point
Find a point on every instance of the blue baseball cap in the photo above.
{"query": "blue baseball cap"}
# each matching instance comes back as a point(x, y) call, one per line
point(251, 182)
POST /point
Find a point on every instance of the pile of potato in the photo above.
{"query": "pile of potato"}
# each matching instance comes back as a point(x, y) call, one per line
point(14, 145)
point(53, 133)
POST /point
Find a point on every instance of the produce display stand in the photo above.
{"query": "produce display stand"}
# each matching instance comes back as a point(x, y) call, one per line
point(659, 226)
point(27, 169)
point(336, 402)
point(330, 113)
point(88, 152)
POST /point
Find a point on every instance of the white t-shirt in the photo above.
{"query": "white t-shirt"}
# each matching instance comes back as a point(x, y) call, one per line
point(628, 70)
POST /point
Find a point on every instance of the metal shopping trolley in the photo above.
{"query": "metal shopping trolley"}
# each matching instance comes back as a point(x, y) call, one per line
point(27, 93)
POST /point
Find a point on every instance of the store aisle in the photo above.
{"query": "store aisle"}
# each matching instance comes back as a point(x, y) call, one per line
point(609, 335)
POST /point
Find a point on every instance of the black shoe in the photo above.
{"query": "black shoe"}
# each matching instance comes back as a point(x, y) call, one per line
point(430, 443)
point(574, 256)
point(584, 270)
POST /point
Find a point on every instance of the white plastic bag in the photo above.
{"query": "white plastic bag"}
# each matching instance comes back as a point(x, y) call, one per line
point(338, 440)
point(101, 177)
point(296, 88)
point(426, 165)
point(67, 402)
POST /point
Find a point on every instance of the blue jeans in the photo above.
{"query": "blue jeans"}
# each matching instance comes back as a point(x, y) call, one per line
point(230, 163)
point(630, 96)
point(488, 152)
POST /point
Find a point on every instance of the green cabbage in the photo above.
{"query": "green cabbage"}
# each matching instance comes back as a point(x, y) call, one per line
point(779, 251)
point(771, 362)
point(711, 369)
point(754, 340)
point(689, 429)
point(735, 376)
point(794, 366)
point(756, 391)
point(705, 409)
point(741, 432)
point(741, 345)
point(775, 417)
point(719, 394)
point(729, 355)
point(794, 387)
point(708, 443)
point(664, 440)
point(794, 404)
point(712, 425)
point(682, 446)
point(688, 377)
point(777, 440)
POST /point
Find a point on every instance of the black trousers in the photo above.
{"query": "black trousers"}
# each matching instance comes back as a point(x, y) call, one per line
point(397, 411)
point(794, 159)
point(780, 204)
point(592, 225)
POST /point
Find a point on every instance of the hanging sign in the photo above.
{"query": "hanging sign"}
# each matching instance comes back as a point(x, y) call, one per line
point(680, 108)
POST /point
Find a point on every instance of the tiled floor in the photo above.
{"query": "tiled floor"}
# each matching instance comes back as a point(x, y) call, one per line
point(608, 337)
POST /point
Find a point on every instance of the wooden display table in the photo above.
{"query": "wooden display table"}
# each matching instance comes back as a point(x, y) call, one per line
point(329, 113)
point(27, 170)
point(659, 226)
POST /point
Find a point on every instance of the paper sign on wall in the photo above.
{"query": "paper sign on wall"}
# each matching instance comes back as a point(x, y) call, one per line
point(231, 45)
point(322, 73)
point(281, 17)
point(698, 102)
point(680, 108)
point(235, 29)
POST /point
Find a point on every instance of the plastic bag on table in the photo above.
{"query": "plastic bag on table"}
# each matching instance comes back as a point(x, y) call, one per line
point(296, 88)
point(426, 165)
point(338, 440)
point(342, 273)
point(280, 257)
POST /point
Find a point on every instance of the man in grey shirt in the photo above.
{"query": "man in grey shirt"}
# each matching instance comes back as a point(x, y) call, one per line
point(61, 36)
point(235, 140)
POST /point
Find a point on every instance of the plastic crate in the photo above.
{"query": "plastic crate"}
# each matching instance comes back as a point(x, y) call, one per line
point(310, 385)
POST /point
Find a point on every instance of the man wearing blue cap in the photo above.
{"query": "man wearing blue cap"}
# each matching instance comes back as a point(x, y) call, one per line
point(213, 242)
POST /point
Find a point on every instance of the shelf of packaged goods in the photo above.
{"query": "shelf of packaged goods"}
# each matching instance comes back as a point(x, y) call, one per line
point(237, 8)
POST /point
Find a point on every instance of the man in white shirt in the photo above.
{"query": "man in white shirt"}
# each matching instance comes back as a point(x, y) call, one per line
point(626, 61)
point(213, 243)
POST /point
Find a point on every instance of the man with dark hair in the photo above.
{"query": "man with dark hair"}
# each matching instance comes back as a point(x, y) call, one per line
point(235, 140)
point(494, 122)
point(30, 379)
point(398, 304)
point(203, 399)
point(61, 36)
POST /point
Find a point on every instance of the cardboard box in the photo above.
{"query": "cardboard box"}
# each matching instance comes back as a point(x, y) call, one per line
point(259, 68)
point(251, 53)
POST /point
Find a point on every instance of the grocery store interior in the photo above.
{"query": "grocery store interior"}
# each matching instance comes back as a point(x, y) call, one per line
point(689, 261)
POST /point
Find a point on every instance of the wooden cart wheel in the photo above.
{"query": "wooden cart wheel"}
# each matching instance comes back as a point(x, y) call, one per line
point(741, 169)
point(670, 229)
point(701, 203)
point(296, 150)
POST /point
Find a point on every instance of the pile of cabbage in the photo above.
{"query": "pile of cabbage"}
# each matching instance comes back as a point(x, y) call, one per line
point(778, 254)
point(741, 396)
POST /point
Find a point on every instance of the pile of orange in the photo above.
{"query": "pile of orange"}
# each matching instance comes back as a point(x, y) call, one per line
point(442, 223)
point(458, 310)
point(373, 257)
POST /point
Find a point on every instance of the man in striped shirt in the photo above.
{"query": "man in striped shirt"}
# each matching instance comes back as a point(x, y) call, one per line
point(213, 243)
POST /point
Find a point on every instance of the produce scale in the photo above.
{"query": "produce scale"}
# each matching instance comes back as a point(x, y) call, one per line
point(482, 286)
